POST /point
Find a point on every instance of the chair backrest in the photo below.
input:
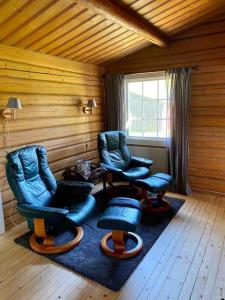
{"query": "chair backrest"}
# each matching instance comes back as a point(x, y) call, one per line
point(29, 176)
point(113, 149)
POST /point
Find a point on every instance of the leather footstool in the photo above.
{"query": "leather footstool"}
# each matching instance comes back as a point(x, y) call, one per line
point(156, 184)
point(122, 216)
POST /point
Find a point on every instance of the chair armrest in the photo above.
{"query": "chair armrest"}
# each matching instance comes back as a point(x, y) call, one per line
point(32, 211)
point(139, 161)
point(75, 187)
point(111, 168)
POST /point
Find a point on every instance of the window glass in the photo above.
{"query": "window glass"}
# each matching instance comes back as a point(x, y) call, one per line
point(162, 109)
point(162, 89)
point(135, 128)
point(150, 109)
point(150, 89)
point(147, 107)
point(135, 110)
point(150, 128)
point(134, 91)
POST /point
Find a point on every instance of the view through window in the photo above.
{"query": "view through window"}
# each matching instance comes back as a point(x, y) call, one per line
point(147, 106)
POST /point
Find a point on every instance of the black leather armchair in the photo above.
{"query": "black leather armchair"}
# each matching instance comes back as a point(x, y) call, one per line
point(117, 159)
point(45, 203)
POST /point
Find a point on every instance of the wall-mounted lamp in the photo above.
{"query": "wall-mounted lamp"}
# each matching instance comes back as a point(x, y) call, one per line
point(90, 105)
point(12, 106)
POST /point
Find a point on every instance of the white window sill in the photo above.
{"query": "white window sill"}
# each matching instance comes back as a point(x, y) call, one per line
point(150, 142)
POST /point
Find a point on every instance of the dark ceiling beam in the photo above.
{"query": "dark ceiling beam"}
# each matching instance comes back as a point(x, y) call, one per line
point(127, 19)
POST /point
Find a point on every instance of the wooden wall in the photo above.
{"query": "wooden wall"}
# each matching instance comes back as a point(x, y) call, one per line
point(51, 91)
point(205, 46)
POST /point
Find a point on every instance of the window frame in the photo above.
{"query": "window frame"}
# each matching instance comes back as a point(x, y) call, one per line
point(141, 140)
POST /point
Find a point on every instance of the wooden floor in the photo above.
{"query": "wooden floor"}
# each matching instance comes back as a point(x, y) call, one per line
point(186, 262)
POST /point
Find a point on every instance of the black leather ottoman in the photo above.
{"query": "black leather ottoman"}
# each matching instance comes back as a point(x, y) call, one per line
point(122, 216)
point(156, 184)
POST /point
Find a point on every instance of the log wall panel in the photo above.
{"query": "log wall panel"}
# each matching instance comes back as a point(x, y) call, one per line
point(204, 46)
point(52, 92)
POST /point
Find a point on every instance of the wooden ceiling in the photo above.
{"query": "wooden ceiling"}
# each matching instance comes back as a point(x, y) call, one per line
point(77, 30)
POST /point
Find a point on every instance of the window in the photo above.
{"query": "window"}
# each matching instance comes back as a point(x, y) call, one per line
point(147, 105)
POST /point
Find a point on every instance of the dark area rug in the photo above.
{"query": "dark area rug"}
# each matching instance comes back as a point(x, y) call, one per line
point(87, 258)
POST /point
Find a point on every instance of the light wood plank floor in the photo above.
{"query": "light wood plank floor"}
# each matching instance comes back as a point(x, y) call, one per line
point(186, 262)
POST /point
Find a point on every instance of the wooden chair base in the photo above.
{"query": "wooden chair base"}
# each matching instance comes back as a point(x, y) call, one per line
point(120, 188)
point(119, 250)
point(162, 206)
point(47, 246)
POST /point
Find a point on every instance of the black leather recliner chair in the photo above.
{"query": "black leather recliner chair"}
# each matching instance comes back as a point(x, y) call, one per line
point(117, 159)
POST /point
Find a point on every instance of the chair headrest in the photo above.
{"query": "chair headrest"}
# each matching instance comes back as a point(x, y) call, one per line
point(27, 162)
point(112, 140)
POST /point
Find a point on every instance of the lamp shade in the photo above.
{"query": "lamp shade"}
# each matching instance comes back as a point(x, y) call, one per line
point(91, 103)
point(14, 103)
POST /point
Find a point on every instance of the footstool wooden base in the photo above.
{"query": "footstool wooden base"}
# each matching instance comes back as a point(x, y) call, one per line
point(122, 216)
point(155, 204)
point(119, 250)
point(156, 184)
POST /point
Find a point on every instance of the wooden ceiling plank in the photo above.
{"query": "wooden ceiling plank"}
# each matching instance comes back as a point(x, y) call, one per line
point(64, 31)
point(81, 25)
point(181, 47)
point(152, 7)
point(50, 26)
point(40, 20)
point(187, 12)
point(89, 34)
point(169, 9)
point(201, 17)
point(100, 43)
point(64, 17)
point(203, 29)
point(141, 5)
point(9, 8)
point(101, 34)
point(2, 2)
point(129, 42)
point(164, 6)
point(130, 2)
point(122, 34)
point(132, 48)
point(119, 15)
point(22, 17)
point(104, 61)
point(115, 47)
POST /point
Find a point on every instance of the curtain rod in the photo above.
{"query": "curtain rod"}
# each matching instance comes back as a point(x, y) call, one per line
point(194, 67)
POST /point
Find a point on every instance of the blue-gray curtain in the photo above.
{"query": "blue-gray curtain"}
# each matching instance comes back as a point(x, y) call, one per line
point(179, 80)
point(114, 102)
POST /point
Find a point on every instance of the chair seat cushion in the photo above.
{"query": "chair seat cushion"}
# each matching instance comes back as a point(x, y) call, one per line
point(121, 216)
point(135, 173)
point(79, 210)
point(125, 202)
point(156, 183)
point(164, 176)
